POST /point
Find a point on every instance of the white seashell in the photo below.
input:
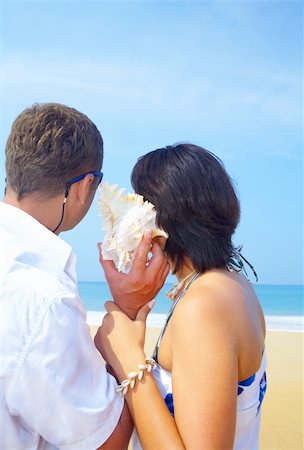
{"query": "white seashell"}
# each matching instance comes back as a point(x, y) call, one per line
point(132, 384)
point(119, 391)
point(127, 217)
point(151, 362)
point(140, 375)
point(125, 390)
point(132, 375)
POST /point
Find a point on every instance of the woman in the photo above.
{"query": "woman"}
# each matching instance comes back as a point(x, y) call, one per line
point(209, 381)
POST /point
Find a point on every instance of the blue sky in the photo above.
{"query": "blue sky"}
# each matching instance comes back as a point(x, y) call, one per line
point(224, 75)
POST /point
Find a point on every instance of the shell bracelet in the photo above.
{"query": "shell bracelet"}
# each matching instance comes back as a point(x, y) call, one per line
point(130, 382)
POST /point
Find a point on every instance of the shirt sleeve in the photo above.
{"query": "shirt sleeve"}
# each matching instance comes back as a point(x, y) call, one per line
point(61, 389)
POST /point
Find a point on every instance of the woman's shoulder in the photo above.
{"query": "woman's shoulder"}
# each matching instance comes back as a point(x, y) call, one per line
point(214, 291)
point(222, 307)
point(217, 298)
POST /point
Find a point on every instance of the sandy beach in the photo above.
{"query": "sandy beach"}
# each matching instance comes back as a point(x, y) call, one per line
point(282, 412)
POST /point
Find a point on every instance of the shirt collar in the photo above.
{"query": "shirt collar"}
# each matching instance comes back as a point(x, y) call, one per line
point(37, 239)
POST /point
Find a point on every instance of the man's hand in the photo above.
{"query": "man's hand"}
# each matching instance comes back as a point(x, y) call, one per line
point(133, 290)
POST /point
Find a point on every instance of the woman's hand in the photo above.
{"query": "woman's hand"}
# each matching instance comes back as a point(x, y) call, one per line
point(120, 340)
point(133, 290)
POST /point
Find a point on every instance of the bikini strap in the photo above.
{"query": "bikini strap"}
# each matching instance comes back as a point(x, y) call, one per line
point(236, 263)
point(181, 295)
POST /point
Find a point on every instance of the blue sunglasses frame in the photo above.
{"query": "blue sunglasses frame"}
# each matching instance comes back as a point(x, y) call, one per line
point(81, 177)
point(67, 189)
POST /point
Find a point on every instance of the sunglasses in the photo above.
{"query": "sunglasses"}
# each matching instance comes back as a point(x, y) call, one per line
point(67, 189)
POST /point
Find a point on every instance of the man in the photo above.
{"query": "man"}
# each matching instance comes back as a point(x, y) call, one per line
point(55, 392)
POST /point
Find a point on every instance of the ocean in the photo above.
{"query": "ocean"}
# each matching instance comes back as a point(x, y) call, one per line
point(282, 304)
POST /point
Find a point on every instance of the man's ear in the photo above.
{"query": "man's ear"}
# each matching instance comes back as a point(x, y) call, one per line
point(85, 188)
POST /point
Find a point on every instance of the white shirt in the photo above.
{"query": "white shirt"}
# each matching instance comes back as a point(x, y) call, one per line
point(54, 390)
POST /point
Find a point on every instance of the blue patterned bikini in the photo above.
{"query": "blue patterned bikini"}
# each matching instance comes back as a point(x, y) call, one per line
point(250, 394)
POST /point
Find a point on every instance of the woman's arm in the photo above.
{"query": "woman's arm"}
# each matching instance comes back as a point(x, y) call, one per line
point(204, 375)
point(204, 372)
point(121, 341)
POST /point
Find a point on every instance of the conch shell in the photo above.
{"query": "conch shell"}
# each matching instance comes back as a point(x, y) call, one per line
point(127, 217)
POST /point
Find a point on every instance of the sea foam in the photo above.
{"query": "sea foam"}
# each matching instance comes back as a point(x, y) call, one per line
point(273, 323)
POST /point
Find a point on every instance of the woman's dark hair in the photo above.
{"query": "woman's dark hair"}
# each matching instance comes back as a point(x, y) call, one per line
point(195, 203)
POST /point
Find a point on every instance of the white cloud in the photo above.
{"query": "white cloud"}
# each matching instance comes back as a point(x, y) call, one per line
point(275, 95)
point(266, 107)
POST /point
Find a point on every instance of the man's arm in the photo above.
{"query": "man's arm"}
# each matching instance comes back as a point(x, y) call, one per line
point(133, 290)
point(63, 369)
point(120, 438)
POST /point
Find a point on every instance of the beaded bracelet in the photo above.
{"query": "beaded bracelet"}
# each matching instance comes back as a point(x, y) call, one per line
point(130, 382)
